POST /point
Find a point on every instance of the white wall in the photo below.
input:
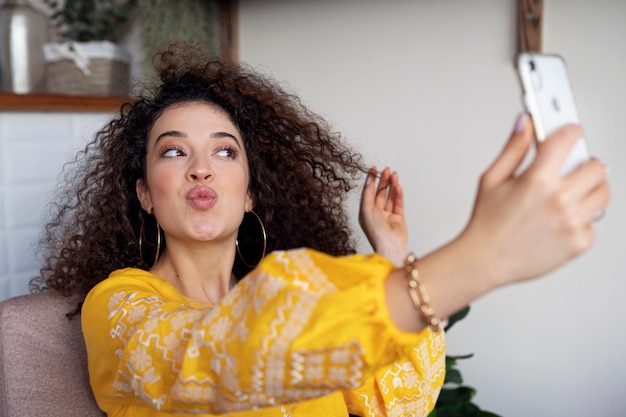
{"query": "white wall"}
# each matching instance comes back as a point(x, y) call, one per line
point(33, 148)
point(428, 88)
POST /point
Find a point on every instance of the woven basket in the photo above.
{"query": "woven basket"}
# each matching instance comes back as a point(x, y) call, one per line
point(106, 77)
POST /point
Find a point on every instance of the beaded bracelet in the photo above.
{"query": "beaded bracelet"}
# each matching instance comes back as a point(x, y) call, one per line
point(418, 294)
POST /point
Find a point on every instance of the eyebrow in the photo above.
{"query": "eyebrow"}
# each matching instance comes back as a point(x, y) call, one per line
point(179, 134)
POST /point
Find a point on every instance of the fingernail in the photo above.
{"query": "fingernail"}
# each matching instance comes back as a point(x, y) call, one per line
point(368, 180)
point(604, 166)
point(520, 123)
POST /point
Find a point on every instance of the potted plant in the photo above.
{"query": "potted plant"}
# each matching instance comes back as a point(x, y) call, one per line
point(455, 399)
point(88, 60)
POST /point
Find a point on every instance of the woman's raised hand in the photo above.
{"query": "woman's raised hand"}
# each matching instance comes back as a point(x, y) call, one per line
point(381, 215)
point(531, 222)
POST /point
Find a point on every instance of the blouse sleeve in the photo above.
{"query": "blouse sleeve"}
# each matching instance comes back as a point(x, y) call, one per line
point(409, 386)
point(301, 325)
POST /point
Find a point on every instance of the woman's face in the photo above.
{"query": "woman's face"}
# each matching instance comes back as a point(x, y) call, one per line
point(196, 174)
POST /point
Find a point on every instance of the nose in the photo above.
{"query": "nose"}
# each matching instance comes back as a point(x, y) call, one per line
point(199, 170)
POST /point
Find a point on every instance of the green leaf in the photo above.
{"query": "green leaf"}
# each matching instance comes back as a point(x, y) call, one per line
point(453, 376)
point(459, 315)
point(455, 395)
point(452, 360)
point(84, 20)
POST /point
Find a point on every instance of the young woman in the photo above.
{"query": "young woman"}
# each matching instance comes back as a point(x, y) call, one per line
point(206, 225)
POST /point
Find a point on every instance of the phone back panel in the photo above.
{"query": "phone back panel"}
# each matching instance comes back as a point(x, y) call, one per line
point(549, 100)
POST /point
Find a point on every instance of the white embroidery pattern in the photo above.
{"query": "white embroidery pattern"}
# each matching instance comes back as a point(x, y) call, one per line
point(405, 377)
point(183, 356)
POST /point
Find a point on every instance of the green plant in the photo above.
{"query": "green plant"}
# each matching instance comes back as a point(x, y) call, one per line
point(90, 20)
point(455, 399)
point(195, 22)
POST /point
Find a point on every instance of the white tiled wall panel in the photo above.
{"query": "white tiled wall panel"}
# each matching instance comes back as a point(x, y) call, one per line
point(4, 260)
point(2, 222)
point(24, 203)
point(34, 146)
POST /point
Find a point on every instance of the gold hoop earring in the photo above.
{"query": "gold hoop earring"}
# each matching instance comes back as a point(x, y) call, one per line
point(158, 247)
point(264, 244)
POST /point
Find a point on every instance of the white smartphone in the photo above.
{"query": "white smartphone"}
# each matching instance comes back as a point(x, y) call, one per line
point(548, 98)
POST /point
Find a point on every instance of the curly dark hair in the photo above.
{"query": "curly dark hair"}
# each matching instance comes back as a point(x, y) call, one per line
point(300, 174)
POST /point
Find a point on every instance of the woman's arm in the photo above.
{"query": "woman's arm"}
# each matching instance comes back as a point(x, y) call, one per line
point(523, 225)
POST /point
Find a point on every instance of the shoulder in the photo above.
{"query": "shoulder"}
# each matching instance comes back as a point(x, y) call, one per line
point(123, 273)
point(131, 279)
point(129, 282)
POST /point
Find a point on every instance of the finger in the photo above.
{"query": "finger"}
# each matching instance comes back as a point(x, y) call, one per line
point(382, 189)
point(396, 196)
point(586, 178)
point(584, 240)
point(552, 152)
point(595, 203)
point(512, 155)
point(391, 191)
point(367, 193)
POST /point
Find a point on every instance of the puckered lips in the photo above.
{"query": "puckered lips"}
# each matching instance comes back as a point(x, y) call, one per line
point(202, 197)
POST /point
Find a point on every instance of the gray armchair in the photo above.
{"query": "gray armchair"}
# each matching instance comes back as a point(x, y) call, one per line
point(43, 363)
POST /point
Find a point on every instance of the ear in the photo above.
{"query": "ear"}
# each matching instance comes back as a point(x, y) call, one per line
point(143, 194)
point(249, 204)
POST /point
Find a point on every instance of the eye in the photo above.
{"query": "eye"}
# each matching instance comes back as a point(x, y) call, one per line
point(172, 152)
point(227, 152)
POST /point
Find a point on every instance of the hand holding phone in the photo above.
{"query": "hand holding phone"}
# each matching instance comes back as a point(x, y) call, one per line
point(548, 98)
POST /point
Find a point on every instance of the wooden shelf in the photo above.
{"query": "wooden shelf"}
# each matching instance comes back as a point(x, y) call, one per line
point(60, 103)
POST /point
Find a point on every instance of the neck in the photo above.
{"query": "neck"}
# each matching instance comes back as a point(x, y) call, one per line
point(202, 272)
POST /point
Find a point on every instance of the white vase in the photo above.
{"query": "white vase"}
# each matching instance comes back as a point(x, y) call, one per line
point(22, 36)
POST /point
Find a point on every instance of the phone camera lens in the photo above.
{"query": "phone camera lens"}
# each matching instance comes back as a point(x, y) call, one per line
point(532, 65)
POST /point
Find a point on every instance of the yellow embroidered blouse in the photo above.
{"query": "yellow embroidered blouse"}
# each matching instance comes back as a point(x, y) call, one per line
point(304, 334)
